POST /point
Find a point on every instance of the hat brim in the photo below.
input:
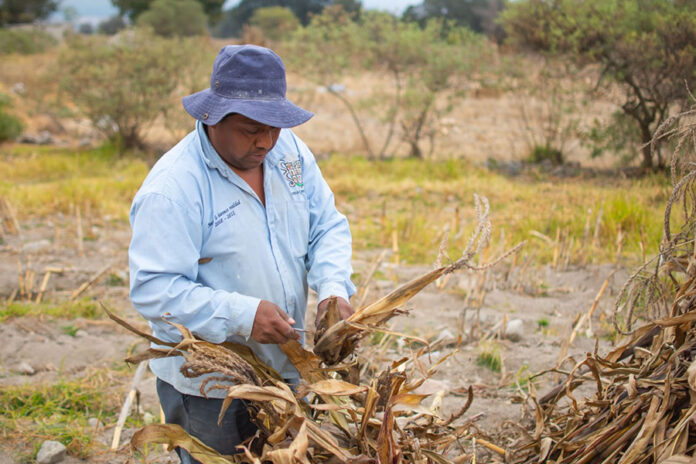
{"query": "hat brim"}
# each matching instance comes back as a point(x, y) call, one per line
point(209, 108)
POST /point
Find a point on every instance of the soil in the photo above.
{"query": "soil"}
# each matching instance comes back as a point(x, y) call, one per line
point(546, 300)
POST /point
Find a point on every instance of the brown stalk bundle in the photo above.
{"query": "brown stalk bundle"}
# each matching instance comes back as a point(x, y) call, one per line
point(328, 418)
point(644, 407)
point(335, 340)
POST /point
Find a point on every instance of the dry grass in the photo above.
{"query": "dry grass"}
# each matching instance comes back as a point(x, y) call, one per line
point(570, 221)
point(60, 411)
point(43, 181)
point(415, 198)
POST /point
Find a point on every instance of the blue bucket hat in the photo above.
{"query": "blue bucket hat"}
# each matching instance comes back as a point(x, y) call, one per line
point(249, 80)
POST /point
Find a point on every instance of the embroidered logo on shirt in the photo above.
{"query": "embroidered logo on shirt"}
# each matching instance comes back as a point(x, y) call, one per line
point(293, 172)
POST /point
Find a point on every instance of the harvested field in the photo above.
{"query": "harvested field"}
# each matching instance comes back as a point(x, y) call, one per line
point(547, 301)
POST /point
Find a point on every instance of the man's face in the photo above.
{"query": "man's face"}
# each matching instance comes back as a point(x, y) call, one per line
point(242, 142)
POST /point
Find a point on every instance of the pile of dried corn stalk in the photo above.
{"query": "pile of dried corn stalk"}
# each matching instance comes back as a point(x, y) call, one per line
point(644, 407)
point(334, 415)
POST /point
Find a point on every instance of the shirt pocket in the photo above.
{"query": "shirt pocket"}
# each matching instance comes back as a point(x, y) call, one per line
point(297, 223)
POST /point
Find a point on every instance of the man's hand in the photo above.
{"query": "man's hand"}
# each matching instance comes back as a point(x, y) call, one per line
point(344, 309)
point(272, 325)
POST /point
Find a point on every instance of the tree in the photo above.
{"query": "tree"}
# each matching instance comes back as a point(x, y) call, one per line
point(478, 15)
point(70, 14)
point(112, 25)
point(175, 18)
point(123, 84)
point(428, 66)
point(134, 8)
point(352, 7)
point(324, 51)
point(438, 61)
point(645, 47)
point(396, 47)
point(25, 41)
point(85, 28)
point(305, 9)
point(276, 22)
point(25, 11)
point(235, 18)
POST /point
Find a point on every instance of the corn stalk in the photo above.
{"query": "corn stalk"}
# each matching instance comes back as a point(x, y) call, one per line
point(328, 417)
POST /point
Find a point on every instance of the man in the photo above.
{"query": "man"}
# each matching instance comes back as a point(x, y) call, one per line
point(229, 229)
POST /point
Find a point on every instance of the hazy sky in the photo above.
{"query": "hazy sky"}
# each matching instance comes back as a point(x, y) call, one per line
point(100, 9)
point(394, 6)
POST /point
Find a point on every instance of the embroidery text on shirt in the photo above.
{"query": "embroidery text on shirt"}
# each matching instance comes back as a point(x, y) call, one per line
point(227, 213)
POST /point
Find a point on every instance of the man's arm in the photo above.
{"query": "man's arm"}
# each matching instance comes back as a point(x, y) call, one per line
point(329, 248)
point(163, 257)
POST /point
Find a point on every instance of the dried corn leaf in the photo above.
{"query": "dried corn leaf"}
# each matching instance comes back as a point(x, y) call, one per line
point(388, 451)
point(408, 399)
point(643, 407)
point(436, 458)
point(679, 459)
point(296, 453)
point(339, 340)
point(257, 393)
point(306, 362)
point(261, 369)
point(173, 436)
point(333, 387)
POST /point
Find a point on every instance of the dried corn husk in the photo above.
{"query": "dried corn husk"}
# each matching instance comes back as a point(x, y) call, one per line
point(644, 406)
point(329, 417)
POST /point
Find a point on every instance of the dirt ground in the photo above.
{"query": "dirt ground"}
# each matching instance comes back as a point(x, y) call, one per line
point(440, 312)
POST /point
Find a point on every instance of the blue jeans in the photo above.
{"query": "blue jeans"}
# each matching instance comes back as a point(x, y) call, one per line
point(198, 416)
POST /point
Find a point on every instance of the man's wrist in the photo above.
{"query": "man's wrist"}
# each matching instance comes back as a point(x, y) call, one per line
point(332, 289)
point(244, 312)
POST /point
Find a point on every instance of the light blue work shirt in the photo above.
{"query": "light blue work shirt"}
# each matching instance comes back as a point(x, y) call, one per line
point(205, 249)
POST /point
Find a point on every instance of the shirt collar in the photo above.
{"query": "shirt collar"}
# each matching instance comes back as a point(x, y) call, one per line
point(210, 156)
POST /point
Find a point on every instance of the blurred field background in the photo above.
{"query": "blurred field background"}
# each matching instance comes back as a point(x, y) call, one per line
point(413, 114)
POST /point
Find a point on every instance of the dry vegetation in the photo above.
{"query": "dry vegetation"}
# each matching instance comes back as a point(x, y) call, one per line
point(644, 402)
point(335, 413)
point(350, 411)
point(641, 411)
point(368, 407)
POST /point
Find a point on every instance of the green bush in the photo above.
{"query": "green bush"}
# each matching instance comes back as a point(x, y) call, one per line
point(26, 11)
point(172, 18)
point(112, 25)
point(276, 22)
point(430, 69)
point(10, 126)
point(645, 51)
point(25, 41)
point(541, 153)
point(123, 84)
